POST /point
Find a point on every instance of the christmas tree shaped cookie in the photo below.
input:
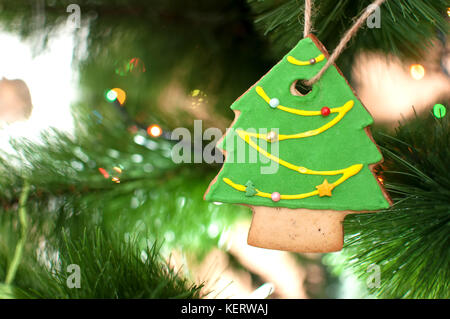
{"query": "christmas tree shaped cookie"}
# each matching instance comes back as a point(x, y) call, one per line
point(301, 160)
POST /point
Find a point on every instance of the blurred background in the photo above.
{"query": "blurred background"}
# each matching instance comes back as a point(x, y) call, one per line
point(89, 95)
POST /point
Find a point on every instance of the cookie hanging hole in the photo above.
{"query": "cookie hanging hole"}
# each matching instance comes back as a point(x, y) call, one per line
point(300, 88)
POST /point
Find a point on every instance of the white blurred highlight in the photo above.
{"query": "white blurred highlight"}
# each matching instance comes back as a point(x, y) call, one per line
point(50, 77)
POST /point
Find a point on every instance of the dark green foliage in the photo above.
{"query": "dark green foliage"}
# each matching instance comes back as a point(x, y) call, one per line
point(410, 242)
point(110, 267)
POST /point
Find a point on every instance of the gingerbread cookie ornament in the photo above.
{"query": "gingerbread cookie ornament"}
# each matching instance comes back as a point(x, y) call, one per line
point(301, 159)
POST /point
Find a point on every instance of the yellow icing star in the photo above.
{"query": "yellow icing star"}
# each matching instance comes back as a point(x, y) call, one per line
point(325, 188)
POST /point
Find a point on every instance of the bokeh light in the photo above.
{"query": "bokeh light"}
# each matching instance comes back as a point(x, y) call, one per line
point(103, 172)
point(52, 89)
point(198, 98)
point(439, 110)
point(135, 65)
point(116, 94)
point(116, 180)
point(154, 130)
point(111, 95)
point(417, 71)
point(98, 116)
point(117, 169)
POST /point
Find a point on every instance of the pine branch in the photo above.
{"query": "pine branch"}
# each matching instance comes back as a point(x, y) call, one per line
point(409, 241)
point(109, 266)
point(407, 26)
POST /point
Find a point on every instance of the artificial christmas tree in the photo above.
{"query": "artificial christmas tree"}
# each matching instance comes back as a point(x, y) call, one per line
point(325, 156)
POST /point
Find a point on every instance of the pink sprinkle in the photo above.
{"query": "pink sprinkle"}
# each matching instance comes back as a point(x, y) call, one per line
point(276, 196)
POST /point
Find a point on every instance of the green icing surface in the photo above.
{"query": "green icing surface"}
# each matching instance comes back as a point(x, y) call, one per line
point(341, 146)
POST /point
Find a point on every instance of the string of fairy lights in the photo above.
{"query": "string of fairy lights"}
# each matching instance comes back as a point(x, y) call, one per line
point(118, 98)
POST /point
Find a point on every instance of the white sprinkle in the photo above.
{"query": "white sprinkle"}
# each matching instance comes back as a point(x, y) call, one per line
point(274, 102)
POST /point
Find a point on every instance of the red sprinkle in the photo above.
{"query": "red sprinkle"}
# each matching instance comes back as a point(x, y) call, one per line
point(325, 111)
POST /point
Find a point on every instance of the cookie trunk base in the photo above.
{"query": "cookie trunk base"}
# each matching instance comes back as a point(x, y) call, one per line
point(299, 230)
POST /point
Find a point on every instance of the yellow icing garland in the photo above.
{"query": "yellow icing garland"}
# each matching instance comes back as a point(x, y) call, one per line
point(340, 110)
point(317, 59)
point(347, 172)
point(325, 188)
point(267, 195)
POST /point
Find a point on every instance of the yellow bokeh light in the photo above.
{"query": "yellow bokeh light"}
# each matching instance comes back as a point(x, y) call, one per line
point(154, 130)
point(116, 94)
point(417, 71)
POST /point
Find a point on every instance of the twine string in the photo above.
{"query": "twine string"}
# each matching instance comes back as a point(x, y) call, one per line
point(345, 39)
point(307, 26)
